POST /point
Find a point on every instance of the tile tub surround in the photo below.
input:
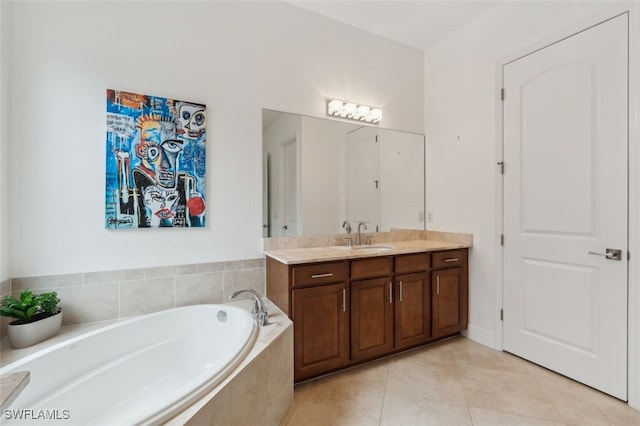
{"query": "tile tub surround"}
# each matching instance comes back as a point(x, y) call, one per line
point(395, 235)
point(110, 295)
point(258, 392)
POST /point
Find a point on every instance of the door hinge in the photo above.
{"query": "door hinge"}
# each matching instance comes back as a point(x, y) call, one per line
point(376, 138)
point(502, 239)
point(376, 183)
point(501, 164)
point(501, 315)
point(628, 256)
point(502, 94)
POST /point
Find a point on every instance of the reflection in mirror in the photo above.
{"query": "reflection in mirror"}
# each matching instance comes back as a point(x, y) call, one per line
point(319, 173)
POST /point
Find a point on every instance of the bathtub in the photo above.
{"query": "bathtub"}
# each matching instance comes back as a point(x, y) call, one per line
point(143, 370)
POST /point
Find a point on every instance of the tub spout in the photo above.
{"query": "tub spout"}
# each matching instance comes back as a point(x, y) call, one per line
point(258, 308)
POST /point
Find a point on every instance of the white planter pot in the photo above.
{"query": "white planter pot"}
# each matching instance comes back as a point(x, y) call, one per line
point(23, 335)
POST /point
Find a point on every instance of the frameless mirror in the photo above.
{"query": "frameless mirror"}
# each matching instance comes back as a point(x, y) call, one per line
point(319, 174)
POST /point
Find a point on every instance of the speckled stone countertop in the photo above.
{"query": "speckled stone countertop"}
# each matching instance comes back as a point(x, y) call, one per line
point(384, 245)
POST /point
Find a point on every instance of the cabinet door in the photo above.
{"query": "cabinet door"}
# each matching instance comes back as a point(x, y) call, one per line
point(447, 301)
point(371, 318)
point(412, 310)
point(320, 317)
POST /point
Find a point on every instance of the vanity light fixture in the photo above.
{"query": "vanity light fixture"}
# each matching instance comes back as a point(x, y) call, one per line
point(353, 111)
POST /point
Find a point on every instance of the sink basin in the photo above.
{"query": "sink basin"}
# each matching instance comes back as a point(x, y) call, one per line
point(374, 248)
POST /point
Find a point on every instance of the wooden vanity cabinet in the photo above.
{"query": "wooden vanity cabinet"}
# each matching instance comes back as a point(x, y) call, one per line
point(349, 311)
point(320, 332)
point(320, 312)
point(449, 292)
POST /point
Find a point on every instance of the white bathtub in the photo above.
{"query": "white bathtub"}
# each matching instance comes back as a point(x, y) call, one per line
point(143, 370)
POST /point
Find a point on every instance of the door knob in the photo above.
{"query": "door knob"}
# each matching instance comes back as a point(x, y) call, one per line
point(613, 254)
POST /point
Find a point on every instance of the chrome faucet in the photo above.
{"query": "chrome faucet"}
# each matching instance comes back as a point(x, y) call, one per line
point(358, 239)
point(259, 310)
point(347, 226)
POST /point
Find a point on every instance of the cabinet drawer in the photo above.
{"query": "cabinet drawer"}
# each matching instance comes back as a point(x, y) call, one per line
point(445, 259)
point(318, 273)
point(412, 263)
point(370, 268)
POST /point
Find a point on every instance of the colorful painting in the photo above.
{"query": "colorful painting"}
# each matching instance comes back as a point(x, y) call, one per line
point(156, 154)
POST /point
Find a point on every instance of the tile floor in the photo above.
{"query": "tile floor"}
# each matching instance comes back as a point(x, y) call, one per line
point(454, 382)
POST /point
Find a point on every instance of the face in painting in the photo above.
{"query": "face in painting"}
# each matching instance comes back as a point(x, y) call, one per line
point(191, 120)
point(162, 204)
point(158, 150)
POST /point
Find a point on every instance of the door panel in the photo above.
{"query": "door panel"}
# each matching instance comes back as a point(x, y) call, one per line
point(565, 196)
point(371, 318)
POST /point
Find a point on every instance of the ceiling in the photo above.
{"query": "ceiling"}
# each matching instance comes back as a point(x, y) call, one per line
point(418, 23)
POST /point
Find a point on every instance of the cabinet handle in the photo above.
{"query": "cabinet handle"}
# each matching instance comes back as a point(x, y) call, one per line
point(400, 288)
point(329, 274)
point(452, 259)
point(344, 300)
point(390, 292)
point(437, 284)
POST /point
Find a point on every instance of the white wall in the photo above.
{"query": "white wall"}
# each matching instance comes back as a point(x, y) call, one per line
point(461, 126)
point(236, 57)
point(5, 271)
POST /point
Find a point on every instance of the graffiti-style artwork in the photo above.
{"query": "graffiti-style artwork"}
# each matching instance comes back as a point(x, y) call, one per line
point(156, 154)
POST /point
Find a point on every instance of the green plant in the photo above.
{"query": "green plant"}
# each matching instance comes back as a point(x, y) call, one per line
point(30, 306)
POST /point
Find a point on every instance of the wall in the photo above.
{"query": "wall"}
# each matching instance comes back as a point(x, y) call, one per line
point(462, 131)
point(5, 271)
point(236, 57)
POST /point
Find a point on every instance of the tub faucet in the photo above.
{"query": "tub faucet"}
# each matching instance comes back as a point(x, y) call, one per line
point(358, 239)
point(258, 308)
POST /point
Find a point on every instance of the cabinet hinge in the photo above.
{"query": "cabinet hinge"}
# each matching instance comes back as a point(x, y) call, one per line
point(501, 164)
point(502, 239)
point(501, 315)
point(502, 94)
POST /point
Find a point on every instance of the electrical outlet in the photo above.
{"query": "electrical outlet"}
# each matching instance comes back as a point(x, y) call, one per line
point(421, 217)
point(429, 217)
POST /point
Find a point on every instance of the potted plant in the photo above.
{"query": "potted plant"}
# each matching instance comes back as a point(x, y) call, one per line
point(37, 317)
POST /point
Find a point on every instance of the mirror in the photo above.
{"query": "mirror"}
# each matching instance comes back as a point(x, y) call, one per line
point(320, 173)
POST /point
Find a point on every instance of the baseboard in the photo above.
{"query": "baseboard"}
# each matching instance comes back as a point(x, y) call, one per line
point(480, 335)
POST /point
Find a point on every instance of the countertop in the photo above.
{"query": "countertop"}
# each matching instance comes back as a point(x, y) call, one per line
point(295, 256)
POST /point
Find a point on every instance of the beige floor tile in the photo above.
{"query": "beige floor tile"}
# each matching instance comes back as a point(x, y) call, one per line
point(453, 382)
point(434, 380)
point(482, 417)
point(399, 409)
point(506, 392)
point(581, 405)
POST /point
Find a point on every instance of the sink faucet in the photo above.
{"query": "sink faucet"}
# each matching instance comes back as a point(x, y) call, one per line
point(363, 225)
point(347, 226)
point(258, 308)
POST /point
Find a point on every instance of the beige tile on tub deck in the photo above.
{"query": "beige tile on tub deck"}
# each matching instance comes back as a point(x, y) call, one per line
point(48, 281)
point(169, 271)
point(203, 268)
point(244, 279)
point(280, 364)
point(146, 296)
point(198, 289)
point(113, 276)
point(88, 303)
point(249, 391)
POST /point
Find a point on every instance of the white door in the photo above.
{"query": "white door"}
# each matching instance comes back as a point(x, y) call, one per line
point(290, 221)
point(363, 177)
point(565, 205)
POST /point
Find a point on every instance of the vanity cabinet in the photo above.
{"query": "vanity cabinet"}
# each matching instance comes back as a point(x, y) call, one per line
point(449, 290)
point(350, 311)
point(320, 333)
